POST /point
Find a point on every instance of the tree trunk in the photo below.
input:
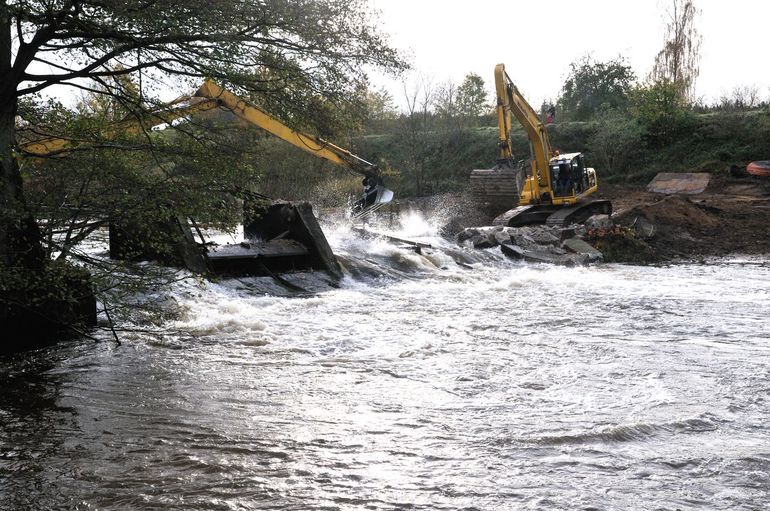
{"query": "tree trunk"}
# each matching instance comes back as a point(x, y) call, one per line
point(20, 241)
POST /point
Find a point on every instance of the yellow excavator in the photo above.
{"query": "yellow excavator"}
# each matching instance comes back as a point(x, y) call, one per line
point(211, 96)
point(552, 191)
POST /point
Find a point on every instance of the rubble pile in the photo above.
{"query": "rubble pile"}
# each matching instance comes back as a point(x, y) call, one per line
point(537, 243)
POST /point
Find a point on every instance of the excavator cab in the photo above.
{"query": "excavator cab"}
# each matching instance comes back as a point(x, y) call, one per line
point(569, 175)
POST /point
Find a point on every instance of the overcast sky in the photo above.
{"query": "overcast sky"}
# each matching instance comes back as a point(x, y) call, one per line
point(537, 41)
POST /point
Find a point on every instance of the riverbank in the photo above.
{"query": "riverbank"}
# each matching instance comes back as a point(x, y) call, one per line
point(729, 217)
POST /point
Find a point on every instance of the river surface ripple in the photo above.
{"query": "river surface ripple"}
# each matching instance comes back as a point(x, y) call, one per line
point(495, 386)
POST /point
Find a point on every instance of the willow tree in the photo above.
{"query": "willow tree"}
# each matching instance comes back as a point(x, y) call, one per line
point(678, 61)
point(287, 52)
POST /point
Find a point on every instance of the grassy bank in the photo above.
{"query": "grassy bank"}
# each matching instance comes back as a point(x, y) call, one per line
point(618, 147)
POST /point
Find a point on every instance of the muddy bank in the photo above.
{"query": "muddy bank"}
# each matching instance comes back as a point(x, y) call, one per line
point(729, 217)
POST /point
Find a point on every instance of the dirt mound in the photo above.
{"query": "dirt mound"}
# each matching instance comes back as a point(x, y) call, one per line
point(673, 210)
point(730, 217)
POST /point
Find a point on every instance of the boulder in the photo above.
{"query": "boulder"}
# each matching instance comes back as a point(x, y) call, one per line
point(482, 242)
point(599, 222)
point(523, 240)
point(547, 256)
point(544, 236)
point(466, 234)
point(643, 228)
point(512, 251)
point(503, 238)
point(589, 253)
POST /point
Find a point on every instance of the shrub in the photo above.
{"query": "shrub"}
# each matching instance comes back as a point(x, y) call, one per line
point(661, 111)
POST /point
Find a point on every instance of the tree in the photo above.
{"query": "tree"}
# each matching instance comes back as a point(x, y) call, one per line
point(678, 61)
point(289, 52)
point(301, 59)
point(615, 142)
point(661, 110)
point(472, 96)
point(380, 109)
point(592, 84)
point(415, 133)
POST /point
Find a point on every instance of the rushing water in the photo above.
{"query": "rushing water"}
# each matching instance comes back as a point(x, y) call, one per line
point(483, 385)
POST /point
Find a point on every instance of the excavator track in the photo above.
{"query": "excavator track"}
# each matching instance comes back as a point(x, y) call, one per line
point(524, 215)
point(578, 213)
point(553, 216)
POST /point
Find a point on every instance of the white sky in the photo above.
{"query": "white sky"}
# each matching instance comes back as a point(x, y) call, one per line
point(537, 40)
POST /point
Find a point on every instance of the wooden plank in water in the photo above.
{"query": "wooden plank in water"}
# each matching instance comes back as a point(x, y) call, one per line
point(368, 232)
point(251, 250)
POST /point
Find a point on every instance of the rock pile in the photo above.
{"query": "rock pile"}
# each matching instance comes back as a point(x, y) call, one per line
point(538, 243)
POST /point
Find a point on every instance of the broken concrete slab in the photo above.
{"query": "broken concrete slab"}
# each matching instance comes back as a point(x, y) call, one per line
point(688, 183)
point(579, 246)
point(512, 251)
point(284, 237)
point(170, 242)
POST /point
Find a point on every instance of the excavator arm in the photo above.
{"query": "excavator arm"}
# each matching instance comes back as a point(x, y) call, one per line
point(210, 96)
point(309, 143)
point(510, 103)
point(375, 194)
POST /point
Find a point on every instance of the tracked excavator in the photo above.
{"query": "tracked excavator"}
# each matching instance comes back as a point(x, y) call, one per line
point(552, 189)
point(211, 96)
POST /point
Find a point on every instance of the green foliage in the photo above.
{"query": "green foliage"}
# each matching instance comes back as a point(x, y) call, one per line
point(592, 85)
point(472, 97)
point(380, 109)
point(661, 110)
point(432, 161)
point(47, 302)
point(615, 143)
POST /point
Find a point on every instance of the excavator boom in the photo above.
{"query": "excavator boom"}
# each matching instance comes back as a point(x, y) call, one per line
point(210, 96)
point(510, 103)
point(311, 144)
point(182, 107)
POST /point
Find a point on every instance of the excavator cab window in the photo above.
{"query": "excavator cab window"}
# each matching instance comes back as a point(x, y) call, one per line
point(555, 179)
point(562, 178)
point(579, 173)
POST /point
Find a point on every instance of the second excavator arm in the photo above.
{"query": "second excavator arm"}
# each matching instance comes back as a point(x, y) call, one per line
point(210, 96)
point(375, 193)
point(510, 103)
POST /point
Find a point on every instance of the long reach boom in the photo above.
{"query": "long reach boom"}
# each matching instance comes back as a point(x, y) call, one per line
point(210, 96)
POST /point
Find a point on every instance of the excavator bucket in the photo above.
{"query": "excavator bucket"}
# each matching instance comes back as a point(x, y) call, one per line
point(371, 201)
point(499, 188)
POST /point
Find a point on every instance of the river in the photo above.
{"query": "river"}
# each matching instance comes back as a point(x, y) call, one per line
point(489, 384)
